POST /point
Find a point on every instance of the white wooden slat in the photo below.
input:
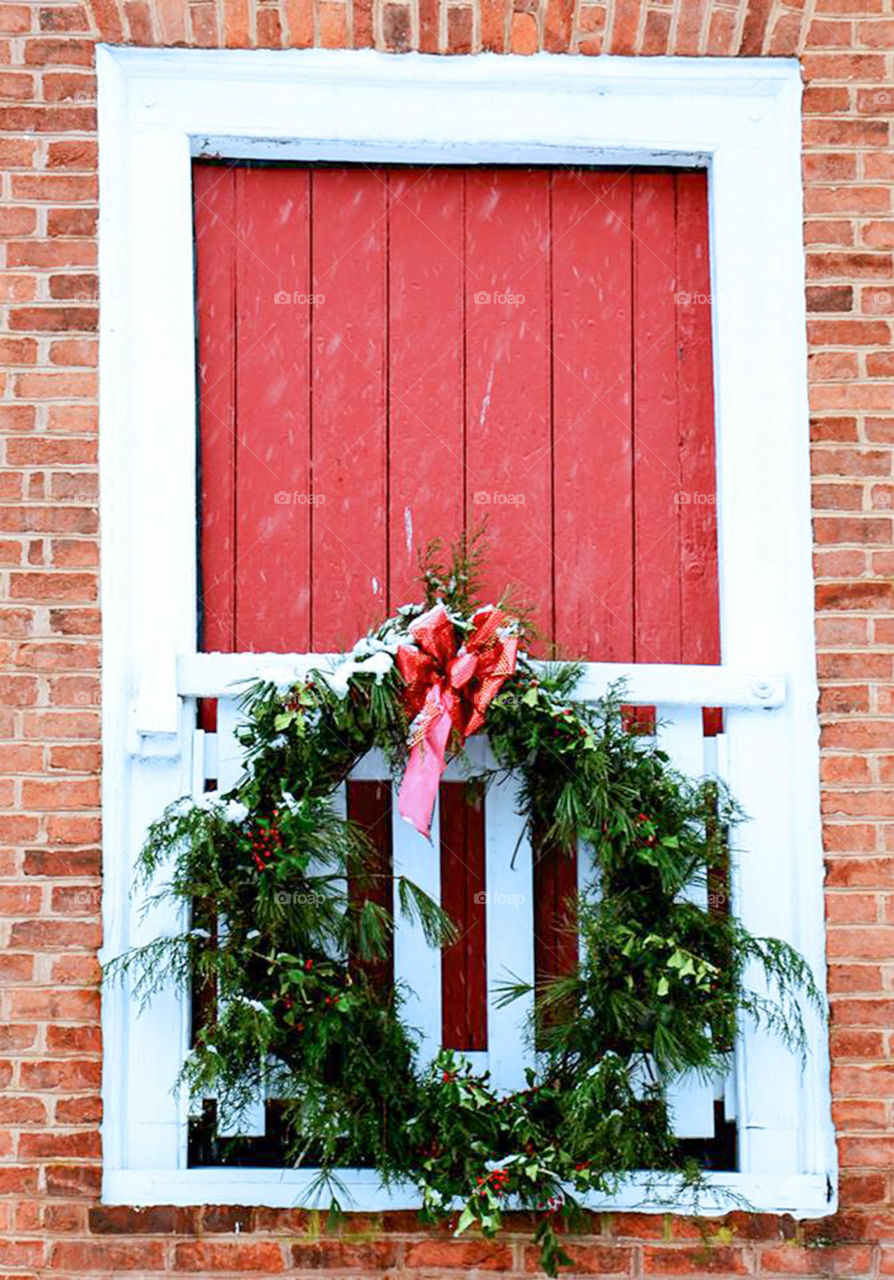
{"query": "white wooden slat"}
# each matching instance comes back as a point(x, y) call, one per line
point(691, 1101)
point(373, 767)
point(251, 1123)
point(229, 750)
point(509, 914)
point(209, 743)
point(680, 733)
point(417, 966)
point(156, 1040)
point(340, 807)
point(717, 764)
point(763, 891)
point(198, 763)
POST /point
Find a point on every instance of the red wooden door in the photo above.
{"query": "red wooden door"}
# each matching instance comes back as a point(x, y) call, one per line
point(389, 354)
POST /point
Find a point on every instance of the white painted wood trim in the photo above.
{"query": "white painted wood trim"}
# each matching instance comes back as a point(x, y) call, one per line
point(740, 118)
point(804, 1196)
point(213, 675)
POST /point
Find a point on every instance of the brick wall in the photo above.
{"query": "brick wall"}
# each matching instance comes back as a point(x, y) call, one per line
point(50, 1219)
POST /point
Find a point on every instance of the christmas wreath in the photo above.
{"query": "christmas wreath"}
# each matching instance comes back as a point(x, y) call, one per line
point(660, 985)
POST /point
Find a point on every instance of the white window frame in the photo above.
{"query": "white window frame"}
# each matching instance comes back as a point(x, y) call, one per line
point(741, 120)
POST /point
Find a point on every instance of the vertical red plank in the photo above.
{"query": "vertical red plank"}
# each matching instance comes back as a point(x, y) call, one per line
point(272, 459)
point(555, 886)
point(369, 805)
point(464, 962)
point(695, 425)
point(657, 482)
point(425, 385)
point(214, 188)
point(593, 407)
point(350, 437)
point(508, 428)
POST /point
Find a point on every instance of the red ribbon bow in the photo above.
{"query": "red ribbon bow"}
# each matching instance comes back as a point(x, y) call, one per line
point(447, 688)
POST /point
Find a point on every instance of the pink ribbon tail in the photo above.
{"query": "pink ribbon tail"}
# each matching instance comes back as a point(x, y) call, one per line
point(419, 788)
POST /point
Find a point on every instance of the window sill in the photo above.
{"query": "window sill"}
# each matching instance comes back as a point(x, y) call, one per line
point(806, 1195)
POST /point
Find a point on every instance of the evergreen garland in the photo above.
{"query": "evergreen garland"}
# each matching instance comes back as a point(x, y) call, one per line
point(659, 990)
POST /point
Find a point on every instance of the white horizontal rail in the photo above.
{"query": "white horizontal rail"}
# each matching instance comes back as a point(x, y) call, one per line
point(214, 675)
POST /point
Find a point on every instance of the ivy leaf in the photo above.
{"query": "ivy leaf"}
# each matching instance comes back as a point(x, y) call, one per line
point(466, 1218)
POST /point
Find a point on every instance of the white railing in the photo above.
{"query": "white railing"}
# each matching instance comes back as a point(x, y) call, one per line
point(509, 904)
point(782, 1137)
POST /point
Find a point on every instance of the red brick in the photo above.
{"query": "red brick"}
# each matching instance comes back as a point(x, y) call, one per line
point(843, 66)
point(333, 20)
point(76, 1180)
point(54, 1075)
point(50, 51)
point(56, 1145)
point(18, 1180)
point(78, 1110)
point(15, 19)
point(878, 301)
point(54, 1005)
point(850, 199)
point(859, 266)
point(708, 1259)
point(107, 1255)
point(56, 386)
point(494, 15)
point(840, 232)
point(22, 1110)
point(829, 1260)
point(829, 166)
point(396, 27)
point(232, 1219)
point(64, 18)
point(155, 1221)
point(852, 462)
point(477, 1255)
point(53, 863)
point(460, 29)
point(17, 221)
point(880, 365)
point(855, 595)
point(16, 86)
point(265, 1257)
point(830, 35)
point(52, 586)
point(825, 99)
point(587, 1259)
point(872, 872)
point(71, 222)
point(830, 298)
point(139, 21)
point(524, 35)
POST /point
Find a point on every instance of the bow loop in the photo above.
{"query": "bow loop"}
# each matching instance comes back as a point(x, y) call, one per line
point(447, 690)
point(463, 668)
